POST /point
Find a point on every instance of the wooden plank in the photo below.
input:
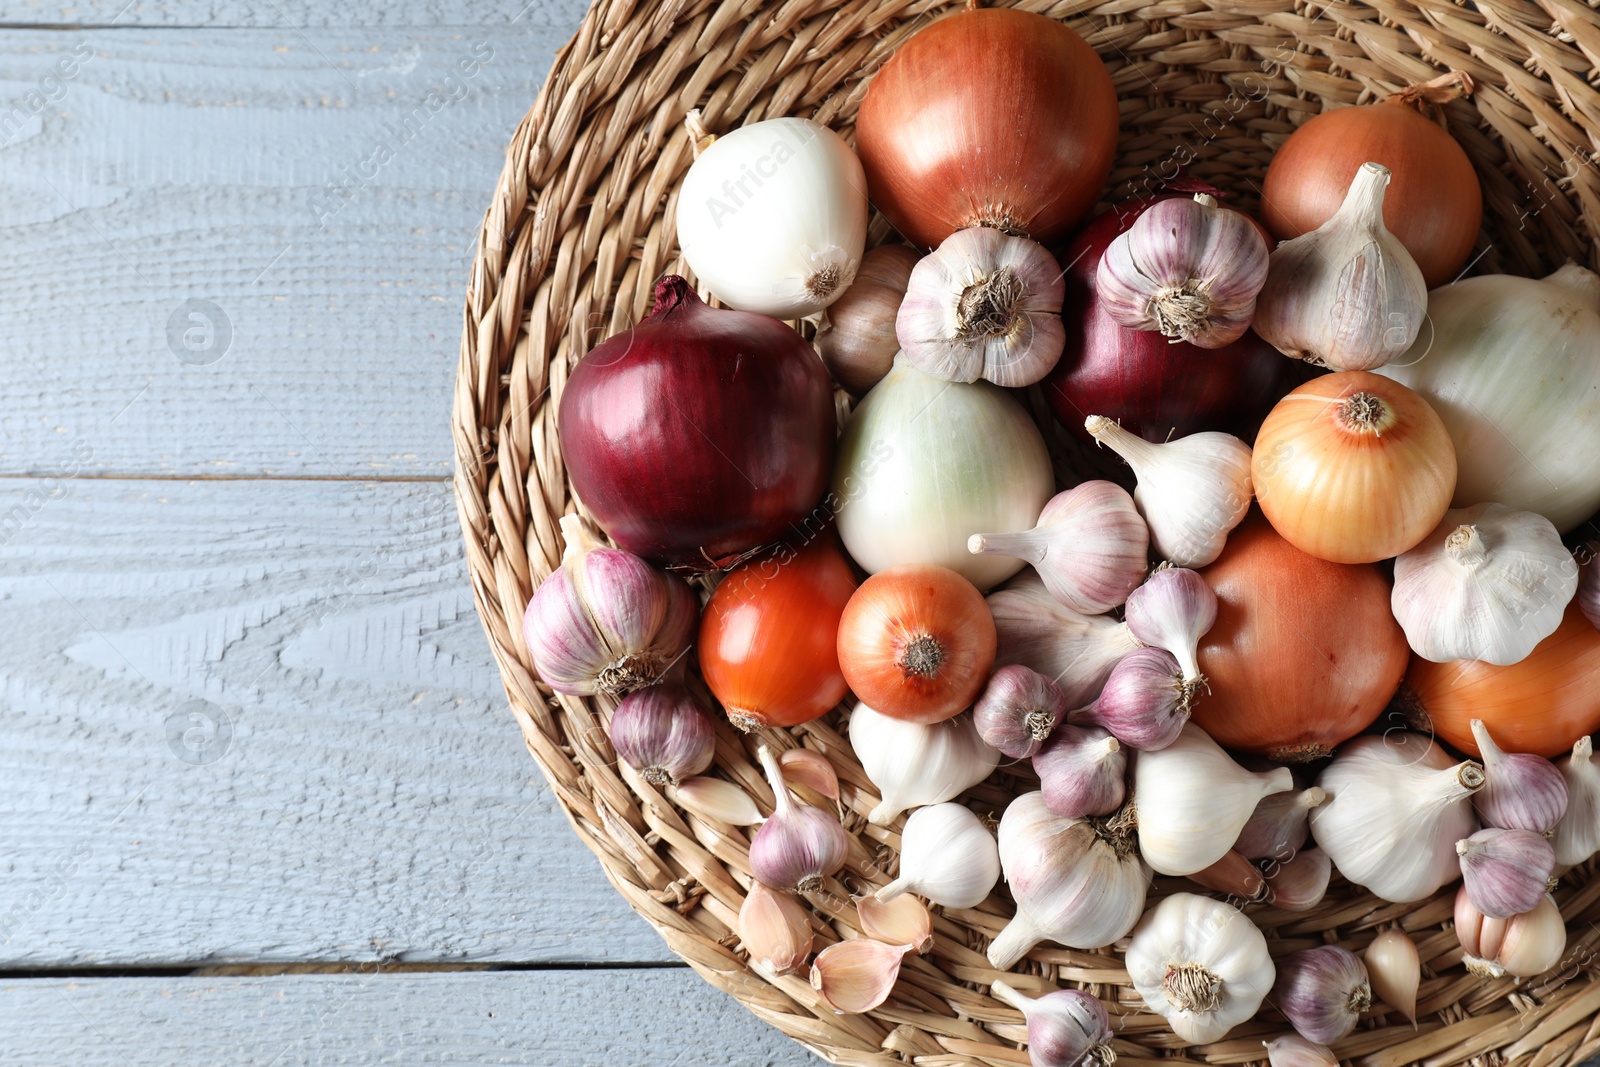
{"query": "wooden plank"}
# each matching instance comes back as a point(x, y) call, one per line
point(244, 252)
point(259, 721)
point(219, 14)
point(544, 1018)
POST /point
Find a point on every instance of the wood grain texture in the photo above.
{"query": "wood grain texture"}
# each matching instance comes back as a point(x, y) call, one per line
point(220, 14)
point(243, 252)
point(259, 721)
point(662, 1018)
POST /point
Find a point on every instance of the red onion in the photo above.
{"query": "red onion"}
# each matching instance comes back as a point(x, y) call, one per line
point(700, 433)
point(1156, 388)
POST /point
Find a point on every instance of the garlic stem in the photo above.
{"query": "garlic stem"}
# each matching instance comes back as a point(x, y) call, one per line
point(1465, 546)
point(1024, 544)
point(1130, 446)
point(1007, 995)
point(782, 802)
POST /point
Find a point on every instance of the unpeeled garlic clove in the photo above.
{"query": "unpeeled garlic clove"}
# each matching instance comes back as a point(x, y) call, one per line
point(1145, 701)
point(1505, 872)
point(802, 766)
point(1066, 1028)
point(857, 976)
point(948, 856)
point(1082, 771)
point(1323, 992)
point(713, 798)
point(1090, 546)
point(1292, 1050)
point(1278, 828)
point(799, 845)
point(901, 921)
point(913, 764)
point(662, 733)
point(1520, 791)
point(1235, 877)
point(1017, 710)
point(1300, 882)
point(1191, 491)
point(1395, 969)
point(1174, 609)
point(856, 339)
point(775, 930)
point(1577, 835)
point(1074, 650)
point(1524, 945)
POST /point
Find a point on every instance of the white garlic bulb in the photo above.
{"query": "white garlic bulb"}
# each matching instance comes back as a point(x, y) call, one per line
point(1201, 965)
point(1488, 584)
point(1347, 295)
point(1194, 800)
point(1075, 651)
point(946, 855)
point(1396, 807)
point(1191, 491)
point(1077, 882)
point(1577, 835)
point(912, 764)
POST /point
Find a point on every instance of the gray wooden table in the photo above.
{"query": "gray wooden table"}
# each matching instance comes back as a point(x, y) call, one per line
point(262, 801)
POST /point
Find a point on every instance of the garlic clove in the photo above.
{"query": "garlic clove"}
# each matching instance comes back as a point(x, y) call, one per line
point(1395, 969)
point(1577, 835)
point(1524, 945)
point(913, 764)
point(803, 766)
point(1520, 791)
point(775, 930)
point(1066, 1028)
point(1200, 964)
point(1300, 882)
point(662, 733)
point(1017, 710)
point(1082, 771)
point(715, 799)
point(1174, 609)
point(1505, 871)
point(1074, 650)
point(857, 976)
point(1145, 702)
point(901, 921)
point(799, 845)
point(1090, 546)
point(1292, 1050)
point(1235, 877)
point(984, 305)
point(856, 339)
point(1323, 992)
point(1191, 491)
point(948, 856)
point(1278, 828)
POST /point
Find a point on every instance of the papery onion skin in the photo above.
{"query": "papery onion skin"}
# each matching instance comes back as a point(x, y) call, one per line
point(1353, 468)
point(1304, 653)
point(699, 434)
point(917, 643)
point(767, 635)
point(1156, 388)
point(991, 116)
point(1541, 705)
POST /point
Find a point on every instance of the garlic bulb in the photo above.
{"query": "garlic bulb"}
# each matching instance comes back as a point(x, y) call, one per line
point(912, 764)
point(856, 339)
point(1090, 546)
point(1145, 701)
point(1193, 800)
point(1066, 1028)
point(1077, 882)
point(1174, 609)
point(1488, 584)
point(1300, 882)
point(1292, 1050)
point(662, 733)
point(1524, 945)
point(1396, 807)
point(1081, 771)
point(1279, 825)
point(1505, 872)
point(1577, 835)
point(773, 216)
point(1076, 651)
point(1323, 992)
point(1017, 710)
point(1191, 491)
point(901, 921)
point(1188, 269)
point(857, 976)
point(1520, 791)
point(947, 856)
point(1395, 968)
point(606, 621)
point(1199, 964)
point(799, 845)
point(775, 930)
point(1347, 295)
point(984, 305)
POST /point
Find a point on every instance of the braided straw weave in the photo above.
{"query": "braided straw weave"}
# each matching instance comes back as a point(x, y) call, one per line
point(581, 225)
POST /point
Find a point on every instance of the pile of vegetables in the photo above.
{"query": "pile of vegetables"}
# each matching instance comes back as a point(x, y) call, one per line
point(1344, 492)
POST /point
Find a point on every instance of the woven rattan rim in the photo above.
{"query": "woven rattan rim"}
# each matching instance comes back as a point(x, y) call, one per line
point(579, 228)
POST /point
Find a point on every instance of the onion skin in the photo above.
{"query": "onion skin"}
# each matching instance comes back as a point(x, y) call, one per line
point(767, 635)
point(700, 433)
point(990, 116)
point(1541, 705)
point(1156, 388)
point(1304, 653)
point(1433, 204)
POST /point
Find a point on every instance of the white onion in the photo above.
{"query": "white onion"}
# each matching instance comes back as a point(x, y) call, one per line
point(773, 217)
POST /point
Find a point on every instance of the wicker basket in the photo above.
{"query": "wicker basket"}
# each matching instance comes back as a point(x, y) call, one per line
point(581, 225)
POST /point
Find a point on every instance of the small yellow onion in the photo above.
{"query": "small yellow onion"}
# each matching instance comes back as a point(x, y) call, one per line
point(1353, 468)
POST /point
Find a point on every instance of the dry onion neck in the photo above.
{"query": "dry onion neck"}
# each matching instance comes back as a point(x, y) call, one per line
point(1191, 988)
point(988, 308)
